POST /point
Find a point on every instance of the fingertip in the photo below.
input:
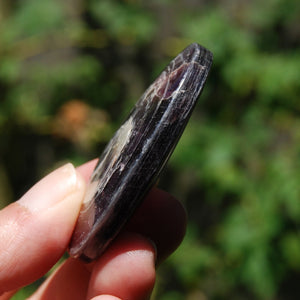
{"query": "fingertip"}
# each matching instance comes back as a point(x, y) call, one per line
point(163, 219)
point(130, 260)
point(36, 230)
point(52, 189)
point(86, 169)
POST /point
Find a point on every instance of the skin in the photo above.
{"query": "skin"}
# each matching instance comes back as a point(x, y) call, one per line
point(35, 232)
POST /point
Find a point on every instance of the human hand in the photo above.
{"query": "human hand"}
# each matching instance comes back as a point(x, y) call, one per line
point(35, 232)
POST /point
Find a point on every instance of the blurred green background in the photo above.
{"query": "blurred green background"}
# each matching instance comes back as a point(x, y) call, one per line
point(70, 71)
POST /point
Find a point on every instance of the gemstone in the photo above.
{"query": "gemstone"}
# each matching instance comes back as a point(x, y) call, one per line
point(135, 156)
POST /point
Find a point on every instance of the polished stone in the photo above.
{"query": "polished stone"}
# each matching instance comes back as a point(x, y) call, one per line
point(133, 159)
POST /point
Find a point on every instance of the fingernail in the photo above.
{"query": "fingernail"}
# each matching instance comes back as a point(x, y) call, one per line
point(154, 248)
point(53, 189)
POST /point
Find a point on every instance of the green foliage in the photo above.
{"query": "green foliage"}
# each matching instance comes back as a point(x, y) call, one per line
point(69, 72)
point(129, 23)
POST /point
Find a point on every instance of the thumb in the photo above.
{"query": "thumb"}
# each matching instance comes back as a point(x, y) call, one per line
point(35, 230)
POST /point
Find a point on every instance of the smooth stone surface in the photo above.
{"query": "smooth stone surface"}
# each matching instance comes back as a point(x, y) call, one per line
point(133, 159)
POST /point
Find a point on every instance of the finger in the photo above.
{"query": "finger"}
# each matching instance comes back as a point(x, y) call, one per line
point(130, 259)
point(126, 270)
point(69, 281)
point(7, 295)
point(161, 218)
point(106, 297)
point(86, 169)
point(35, 231)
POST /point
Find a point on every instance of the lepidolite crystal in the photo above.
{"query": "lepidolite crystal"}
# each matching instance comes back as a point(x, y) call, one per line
point(133, 159)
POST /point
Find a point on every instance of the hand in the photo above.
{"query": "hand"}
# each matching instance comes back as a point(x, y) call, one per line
point(35, 232)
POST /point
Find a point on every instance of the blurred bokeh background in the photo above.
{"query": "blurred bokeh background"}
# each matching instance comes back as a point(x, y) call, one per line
point(71, 70)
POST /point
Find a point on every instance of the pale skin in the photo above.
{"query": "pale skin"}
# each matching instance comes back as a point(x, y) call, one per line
point(35, 232)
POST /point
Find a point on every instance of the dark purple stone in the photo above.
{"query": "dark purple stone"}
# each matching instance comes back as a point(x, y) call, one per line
point(133, 159)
